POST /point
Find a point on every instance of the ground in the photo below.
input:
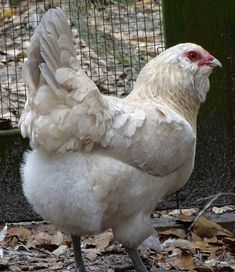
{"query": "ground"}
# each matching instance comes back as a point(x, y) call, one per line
point(38, 246)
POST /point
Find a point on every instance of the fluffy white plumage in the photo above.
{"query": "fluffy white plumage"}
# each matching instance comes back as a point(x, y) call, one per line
point(99, 161)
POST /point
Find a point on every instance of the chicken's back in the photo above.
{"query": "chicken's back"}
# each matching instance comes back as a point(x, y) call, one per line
point(86, 193)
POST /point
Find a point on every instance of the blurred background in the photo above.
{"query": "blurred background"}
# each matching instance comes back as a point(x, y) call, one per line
point(113, 40)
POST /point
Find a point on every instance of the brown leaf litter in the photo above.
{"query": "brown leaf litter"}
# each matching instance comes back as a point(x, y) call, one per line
point(39, 246)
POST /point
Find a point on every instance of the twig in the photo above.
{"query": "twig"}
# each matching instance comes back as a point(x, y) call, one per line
point(30, 223)
point(219, 194)
point(212, 198)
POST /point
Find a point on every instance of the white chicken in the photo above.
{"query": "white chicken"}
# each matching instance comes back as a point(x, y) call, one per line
point(102, 162)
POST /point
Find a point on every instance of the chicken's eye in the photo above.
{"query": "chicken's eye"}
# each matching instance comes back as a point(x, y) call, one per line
point(193, 56)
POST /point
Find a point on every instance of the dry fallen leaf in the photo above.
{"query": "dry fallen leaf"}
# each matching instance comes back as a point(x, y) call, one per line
point(62, 249)
point(3, 233)
point(39, 239)
point(20, 232)
point(7, 13)
point(56, 266)
point(201, 245)
point(202, 269)
point(184, 218)
point(57, 238)
point(175, 233)
point(230, 244)
point(178, 243)
point(206, 228)
point(91, 256)
point(100, 241)
point(222, 209)
point(195, 238)
point(184, 262)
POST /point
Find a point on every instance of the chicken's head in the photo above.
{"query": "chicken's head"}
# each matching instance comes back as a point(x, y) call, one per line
point(194, 58)
point(180, 72)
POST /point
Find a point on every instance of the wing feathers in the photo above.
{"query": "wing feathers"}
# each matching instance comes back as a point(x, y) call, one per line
point(130, 129)
point(120, 120)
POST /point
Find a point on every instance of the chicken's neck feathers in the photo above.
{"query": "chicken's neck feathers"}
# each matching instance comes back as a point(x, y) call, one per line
point(180, 89)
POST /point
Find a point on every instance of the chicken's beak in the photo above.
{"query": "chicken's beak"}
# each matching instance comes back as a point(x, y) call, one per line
point(214, 63)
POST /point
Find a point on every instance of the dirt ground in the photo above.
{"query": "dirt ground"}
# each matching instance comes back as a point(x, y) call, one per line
point(39, 246)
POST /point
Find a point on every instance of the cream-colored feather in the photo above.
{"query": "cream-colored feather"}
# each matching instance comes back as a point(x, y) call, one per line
point(107, 160)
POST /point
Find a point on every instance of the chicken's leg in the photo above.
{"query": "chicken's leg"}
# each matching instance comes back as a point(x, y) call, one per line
point(80, 267)
point(138, 263)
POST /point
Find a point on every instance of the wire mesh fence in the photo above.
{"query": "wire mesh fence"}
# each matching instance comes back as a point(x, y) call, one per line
point(113, 41)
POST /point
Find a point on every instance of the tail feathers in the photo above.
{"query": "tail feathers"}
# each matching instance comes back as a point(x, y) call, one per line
point(30, 71)
point(50, 79)
point(64, 108)
point(51, 48)
point(31, 75)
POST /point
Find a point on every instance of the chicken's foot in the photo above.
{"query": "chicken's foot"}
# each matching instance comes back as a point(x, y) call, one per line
point(80, 267)
point(136, 260)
